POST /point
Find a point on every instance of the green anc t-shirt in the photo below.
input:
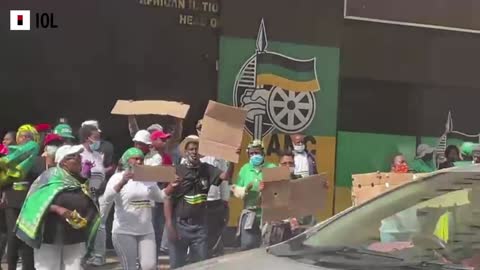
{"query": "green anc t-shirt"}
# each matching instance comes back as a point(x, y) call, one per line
point(249, 174)
point(420, 166)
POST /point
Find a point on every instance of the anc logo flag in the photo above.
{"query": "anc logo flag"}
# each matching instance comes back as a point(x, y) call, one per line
point(286, 73)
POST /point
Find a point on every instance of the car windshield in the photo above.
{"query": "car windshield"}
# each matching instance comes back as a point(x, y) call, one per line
point(434, 219)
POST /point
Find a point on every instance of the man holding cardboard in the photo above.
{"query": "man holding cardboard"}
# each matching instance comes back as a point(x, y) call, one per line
point(247, 188)
point(186, 210)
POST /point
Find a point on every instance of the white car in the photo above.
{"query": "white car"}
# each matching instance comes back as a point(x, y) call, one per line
point(430, 223)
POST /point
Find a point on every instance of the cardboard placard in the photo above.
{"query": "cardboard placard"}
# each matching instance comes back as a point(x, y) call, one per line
point(275, 200)
point(162, 174)
point(222, 131)
point(370, 185)
point(282, 199)
point(308, 195)
point(157, 107)
point(275, 174)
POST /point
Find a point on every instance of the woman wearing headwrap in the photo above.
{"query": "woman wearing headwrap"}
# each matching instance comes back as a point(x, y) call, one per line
point(59, 217)
point(132, 232)
point(17, 172)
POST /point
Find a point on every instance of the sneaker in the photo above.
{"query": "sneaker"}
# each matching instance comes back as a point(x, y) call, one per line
point(96, 261)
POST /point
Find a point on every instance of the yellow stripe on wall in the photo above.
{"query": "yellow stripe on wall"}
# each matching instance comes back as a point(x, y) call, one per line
point(296, 86)
point(343, 198)
point(325, 156)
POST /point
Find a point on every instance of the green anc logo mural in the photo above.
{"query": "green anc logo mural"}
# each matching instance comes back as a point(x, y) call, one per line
point(278, 91)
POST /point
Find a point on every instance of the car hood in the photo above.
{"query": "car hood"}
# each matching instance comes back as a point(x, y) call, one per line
point(252, 259)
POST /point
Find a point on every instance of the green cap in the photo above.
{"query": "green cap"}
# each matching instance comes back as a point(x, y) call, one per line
point(467, 148)
point(64, 131)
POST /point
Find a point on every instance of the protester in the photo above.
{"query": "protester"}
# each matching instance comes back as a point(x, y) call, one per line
point(452, 155)
point(106, 148)
point(59, 216)
point(159, 156)
point(51, 142)
point(65, 131)
point(132, 234)
point(186, 210)
point(276, 232)
point(399, 164)
point(9, 138)
point(424, 162)
point(305, 163)
point(176, 134)
point(247, 188)
point(16, 175)
point(217, 204)
point(142, 141)
point(90, 138)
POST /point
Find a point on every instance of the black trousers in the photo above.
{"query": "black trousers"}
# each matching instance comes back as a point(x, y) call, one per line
point(216, 222)
point(15, 246)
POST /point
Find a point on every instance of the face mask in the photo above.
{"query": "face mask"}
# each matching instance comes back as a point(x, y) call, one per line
point(299, 148)
point(401, 168)
point(95, 145)
point(51, 150)
point(256, 160)
point(291, 169)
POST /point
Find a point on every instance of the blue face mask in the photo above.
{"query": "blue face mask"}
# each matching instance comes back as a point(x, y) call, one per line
point(256, 160)
point(95, 145)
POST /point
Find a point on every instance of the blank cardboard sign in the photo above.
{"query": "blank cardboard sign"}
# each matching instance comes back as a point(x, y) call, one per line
point(163, 174)
point(275, 200)
point(369, 185)
point(222, 131)
point(157, 107)
point(276, 174)
point(308, 195)
point(283, 199)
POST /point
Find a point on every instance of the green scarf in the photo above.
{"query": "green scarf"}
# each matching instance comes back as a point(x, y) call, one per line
point(130, 153)
point(37, 204)
point(20, 159)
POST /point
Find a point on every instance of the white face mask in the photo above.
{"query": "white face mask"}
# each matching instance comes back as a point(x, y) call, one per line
point(291, 169)
point(299, 148)
point(51, 150)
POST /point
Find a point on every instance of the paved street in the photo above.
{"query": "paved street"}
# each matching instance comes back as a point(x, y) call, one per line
point(112, 263)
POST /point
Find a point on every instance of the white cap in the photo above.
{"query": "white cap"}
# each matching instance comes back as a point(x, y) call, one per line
point(66, 150)
point(142, 136)
point(155, 127)
point(92, 123)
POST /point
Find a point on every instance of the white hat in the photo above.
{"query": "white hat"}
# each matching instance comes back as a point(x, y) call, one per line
point(92, 123)
point(155, 127)
point(66, 150)
point(142, 136)
point(187, 140)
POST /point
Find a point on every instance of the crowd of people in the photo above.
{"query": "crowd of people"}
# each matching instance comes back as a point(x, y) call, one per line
point(58, 188)
point(426, 161)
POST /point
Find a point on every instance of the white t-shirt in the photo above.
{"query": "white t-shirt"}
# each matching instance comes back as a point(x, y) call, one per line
point(98, 171)
point(221, 192)
point(153, 158)
point(133, 205)
point(301, 164)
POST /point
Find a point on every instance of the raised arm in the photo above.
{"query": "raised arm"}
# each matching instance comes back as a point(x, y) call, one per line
point(132, 125)
point(176, 135)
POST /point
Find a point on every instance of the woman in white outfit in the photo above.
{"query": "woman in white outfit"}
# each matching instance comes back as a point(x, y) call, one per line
point(132, 233)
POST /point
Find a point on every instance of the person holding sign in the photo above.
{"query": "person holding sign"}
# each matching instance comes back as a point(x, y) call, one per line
point(132, 233)
point(282, 230)
point(186, 210)
point(217, 202)
point(247, 188)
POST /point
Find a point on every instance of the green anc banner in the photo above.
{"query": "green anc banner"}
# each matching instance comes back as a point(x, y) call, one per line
point(286, 88)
